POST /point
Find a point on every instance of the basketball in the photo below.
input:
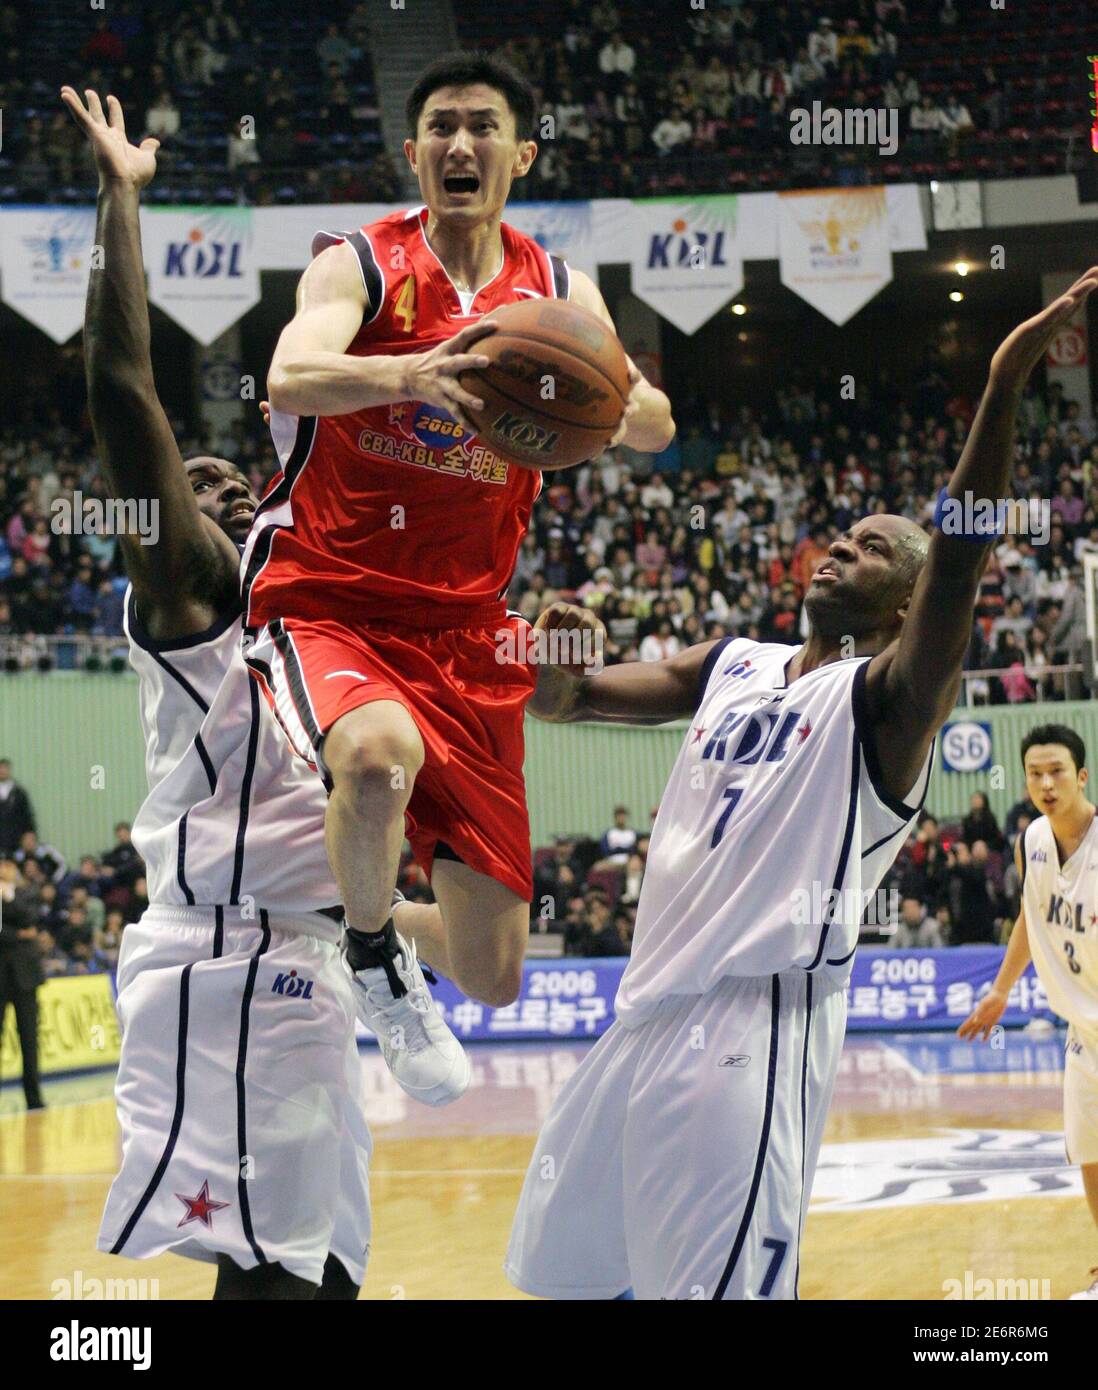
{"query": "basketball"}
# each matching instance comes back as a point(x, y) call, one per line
point(555, 388)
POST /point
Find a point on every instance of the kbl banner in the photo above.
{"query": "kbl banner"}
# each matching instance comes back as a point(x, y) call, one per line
point(889, 989)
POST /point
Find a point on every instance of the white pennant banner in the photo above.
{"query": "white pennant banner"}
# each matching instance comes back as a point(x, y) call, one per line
point(833, 247)
point(685, 258)
point(202, 266)
point(45, 255)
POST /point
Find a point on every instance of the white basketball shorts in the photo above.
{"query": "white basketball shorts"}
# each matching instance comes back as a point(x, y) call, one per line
point(677, 1161)
point(240, 1094)
point(1081, 1096)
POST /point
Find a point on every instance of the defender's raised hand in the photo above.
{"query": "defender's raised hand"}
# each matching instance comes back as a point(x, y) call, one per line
point(116, 159)
point(1017, 356)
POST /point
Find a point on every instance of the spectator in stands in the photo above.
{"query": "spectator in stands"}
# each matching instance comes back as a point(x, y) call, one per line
point(994, 99)
point(672, 131)
point(94, 909)
point(805, 75)
point(891, 10)
point(716, 88)
point(76, 931)
point(52, 960)
point(948, 15)
point(926, 122)
point(917, 928)
point(49, 861)
point(610, 933)
point(242, 147)
point(661, 644)
point(162, 118)
point(20, 971)
point(823, 46)
point(335, 51)
point(617, 62)
point(556, 880)
point(16, 811)
point(82, 598)
point(883, 49)
point(570, 122)
point(107, 940)
point(955, 121)
point(980, 823)
point(104, 46)
point(746, 90)
point(1021, 810)
point(924, 876)
point(122, 859)
point(970, 904)
point(619, 842)
point(60, 151)
point(605, 17)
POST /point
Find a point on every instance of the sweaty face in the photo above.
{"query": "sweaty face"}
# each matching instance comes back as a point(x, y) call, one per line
point(1052, 780)
point(223, 494)
point(466, 153)
point(865, 579)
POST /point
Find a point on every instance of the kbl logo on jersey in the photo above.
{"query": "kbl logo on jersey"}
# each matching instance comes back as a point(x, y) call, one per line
point(744, 739)
point(292, 986)
point(202, 258)
point(741, 670)
point(1061, 913)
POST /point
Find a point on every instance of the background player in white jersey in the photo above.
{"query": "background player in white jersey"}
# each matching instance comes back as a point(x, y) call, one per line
point(679, 1157)
point(1057, 928)
point(240, 1089)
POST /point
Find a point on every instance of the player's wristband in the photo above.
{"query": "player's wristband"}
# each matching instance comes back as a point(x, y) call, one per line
point(984, 530)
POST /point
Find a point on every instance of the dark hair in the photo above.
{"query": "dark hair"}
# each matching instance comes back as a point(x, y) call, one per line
point(1057, 733)
point(463, 70)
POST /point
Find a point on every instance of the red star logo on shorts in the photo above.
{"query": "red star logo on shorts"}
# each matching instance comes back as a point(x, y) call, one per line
point(697, 734)
point(805, 730)
point(202, 1207)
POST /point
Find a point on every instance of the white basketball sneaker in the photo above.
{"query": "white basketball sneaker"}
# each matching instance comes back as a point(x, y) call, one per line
point(393, 1001)
point(1091, 1293)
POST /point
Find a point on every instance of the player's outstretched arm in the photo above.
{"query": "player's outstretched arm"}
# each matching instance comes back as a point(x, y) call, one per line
point(137, 449)
point(648, 425)
point(313, 374)
point(636, 692)
point(992, 1006)
point(913, 685)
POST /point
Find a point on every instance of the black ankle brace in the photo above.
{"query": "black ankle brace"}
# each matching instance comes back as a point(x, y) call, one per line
point(368, 949)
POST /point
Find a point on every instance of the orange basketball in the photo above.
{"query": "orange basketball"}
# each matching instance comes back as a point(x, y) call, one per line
point(555, 388)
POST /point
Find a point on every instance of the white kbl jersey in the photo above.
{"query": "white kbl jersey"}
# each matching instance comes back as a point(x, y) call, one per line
point(773, 833)
point(231, 816)
point(1061, 907)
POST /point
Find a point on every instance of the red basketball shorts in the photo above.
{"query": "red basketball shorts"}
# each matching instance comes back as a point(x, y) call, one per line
point(466, 693)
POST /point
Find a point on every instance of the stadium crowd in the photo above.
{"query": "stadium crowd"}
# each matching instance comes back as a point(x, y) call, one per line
point(648, 102)
point(80, 913)
point(251, 103)
point(718, 536)
point(274, 103)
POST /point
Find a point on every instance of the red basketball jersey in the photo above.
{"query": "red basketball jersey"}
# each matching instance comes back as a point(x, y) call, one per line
point(396, 513)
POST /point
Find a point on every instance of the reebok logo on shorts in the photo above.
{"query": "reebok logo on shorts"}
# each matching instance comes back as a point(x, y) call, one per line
point(733, 1060)
point(292, 986)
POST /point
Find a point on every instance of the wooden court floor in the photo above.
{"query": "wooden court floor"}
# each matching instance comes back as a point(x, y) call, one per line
point(939, 1165)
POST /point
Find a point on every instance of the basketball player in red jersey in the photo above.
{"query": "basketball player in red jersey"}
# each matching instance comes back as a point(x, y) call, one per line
point(375, 573)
